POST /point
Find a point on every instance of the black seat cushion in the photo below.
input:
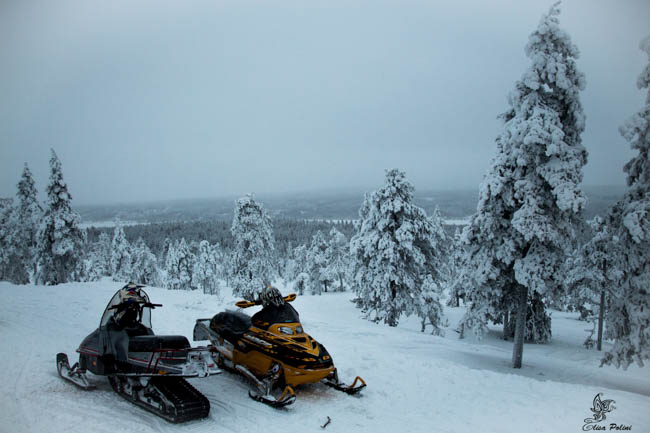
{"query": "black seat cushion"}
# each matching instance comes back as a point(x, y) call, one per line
point(230, 324)
point(149, 343)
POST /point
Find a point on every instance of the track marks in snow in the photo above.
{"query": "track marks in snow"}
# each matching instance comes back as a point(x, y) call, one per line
point(416, 382)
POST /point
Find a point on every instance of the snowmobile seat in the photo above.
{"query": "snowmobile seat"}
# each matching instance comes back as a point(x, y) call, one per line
point(114, 339)
point(149, 343)
point(230, 324)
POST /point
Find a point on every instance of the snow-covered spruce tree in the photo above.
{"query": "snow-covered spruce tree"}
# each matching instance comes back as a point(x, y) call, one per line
point(206, 269)
point(96, 260)
point(530, 201)
point(179, 266)
point(317, 264)
point(538, 322)
point(338, 259)
point(296, 264)
point(144, 265)
point(283, 260)
point(86, 271)
point(628, 318)
point(6, 233)
point(11, 265)
point(251, 262)
point(301, 283)
point(428, 306)
point(455, 269)
point(288, 270)
point(167, 244)
point(28, 215)
point(589, 277)
point(121, 255)
point(219, 255)
point(102, 253)
point(393, 251)
point(59, 240)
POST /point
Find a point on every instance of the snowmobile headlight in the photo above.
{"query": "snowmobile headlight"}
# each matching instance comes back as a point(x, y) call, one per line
point(299, 330)
point(285, 330)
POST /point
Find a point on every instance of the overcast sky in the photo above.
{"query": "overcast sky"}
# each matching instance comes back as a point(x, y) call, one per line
point(147, 100)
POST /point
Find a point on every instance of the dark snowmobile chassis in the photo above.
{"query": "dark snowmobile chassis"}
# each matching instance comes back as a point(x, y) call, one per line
point(145, 369)
point(168, 396)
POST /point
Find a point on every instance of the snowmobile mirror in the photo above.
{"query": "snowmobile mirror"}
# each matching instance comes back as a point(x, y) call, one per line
point(245, 304)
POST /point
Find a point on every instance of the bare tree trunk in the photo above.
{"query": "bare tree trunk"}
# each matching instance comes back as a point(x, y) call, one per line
point(520, 325)
point(601, 315)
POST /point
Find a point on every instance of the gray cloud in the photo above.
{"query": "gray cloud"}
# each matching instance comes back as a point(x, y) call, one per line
point(150, 100)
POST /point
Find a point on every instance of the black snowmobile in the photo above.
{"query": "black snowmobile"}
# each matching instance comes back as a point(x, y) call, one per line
point(146, 369)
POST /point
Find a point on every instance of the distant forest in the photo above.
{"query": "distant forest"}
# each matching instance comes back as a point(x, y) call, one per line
point(288, 233)
point(295, 218)
point(311, 206)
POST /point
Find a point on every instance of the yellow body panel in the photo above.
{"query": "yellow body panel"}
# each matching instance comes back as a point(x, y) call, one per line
point(260, 363)
point(294, 377)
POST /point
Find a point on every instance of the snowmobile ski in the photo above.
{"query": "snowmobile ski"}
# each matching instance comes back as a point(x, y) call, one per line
point(74, 374)
point(288, 397)
point(263, 387)
point(333, 381)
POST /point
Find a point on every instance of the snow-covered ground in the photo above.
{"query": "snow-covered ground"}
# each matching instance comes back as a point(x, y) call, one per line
point(416, 382)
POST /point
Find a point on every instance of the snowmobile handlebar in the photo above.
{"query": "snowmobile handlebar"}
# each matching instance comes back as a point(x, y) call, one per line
point(245, 304)
point(146, 304)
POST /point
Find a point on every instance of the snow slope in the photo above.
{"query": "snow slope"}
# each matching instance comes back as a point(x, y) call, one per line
point(416, 382)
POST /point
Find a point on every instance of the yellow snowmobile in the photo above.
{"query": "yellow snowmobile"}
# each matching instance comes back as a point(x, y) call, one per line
point(271, 349)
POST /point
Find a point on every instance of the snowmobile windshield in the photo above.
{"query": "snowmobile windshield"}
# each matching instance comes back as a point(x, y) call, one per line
point(145, 319)
point(270, 314)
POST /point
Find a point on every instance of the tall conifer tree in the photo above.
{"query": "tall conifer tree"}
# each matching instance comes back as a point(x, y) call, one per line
point(121, 255)
point(28, 214)
point(252, 261)
point(59, 238)
point(530, 202)
point(629, 313)
point(394, 252)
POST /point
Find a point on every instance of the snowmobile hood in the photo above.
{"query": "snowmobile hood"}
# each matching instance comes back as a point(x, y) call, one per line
point(290, 343)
